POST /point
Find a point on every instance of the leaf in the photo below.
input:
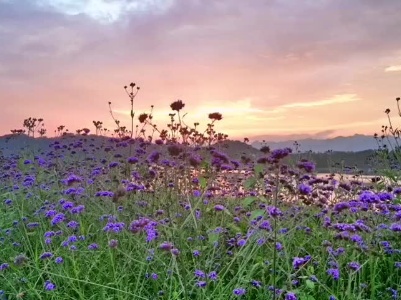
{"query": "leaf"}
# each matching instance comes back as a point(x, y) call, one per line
point(257, 213)
point(203, 182)
point(250, 183)
point(248, 201)
point(310, 284)
point(213, 237)
point(259, 168)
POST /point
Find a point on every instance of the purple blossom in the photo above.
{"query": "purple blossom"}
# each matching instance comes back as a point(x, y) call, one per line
point(239, 291)
point(93, 246)
point(57, 219)
point(335, 273)
point(219, 207)
point(49, 286)
point(201, 284)
point(291, 296)
point(305, 189)
point(46, 255)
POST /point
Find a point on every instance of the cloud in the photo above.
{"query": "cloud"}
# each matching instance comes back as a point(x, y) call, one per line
point(395, 68)
point(337, 99)
point(75, 56)
point(102, 10)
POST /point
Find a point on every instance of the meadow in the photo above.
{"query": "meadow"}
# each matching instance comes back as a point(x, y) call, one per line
point(165, 214)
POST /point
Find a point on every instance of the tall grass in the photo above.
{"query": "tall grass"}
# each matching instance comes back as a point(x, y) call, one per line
point(186, 223)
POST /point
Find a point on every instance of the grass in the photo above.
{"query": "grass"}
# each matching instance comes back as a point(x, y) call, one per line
point(83, 221)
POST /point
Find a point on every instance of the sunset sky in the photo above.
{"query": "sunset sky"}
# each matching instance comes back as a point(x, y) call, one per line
point(272, 67)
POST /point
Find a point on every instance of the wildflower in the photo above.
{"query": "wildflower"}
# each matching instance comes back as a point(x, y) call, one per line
point(239, 291)
point(291, 296)
point(395, 227)
point(305, 189)
point(201, 284)
point(354, 266)
point(4, 266)
point(175, 251)
point(241, 242)
point(49, 286)
point(93, 246)
point(219, 207)
point(73, 224)
point(57, 219)
point(114, 227)
point(46, 255)
point(335, 273)
point(256, 283)
point(177, 105)
point(274, 211)
point(113, 244)
point(133, 160)
point(213, 275)
point(59, 260)
point(166, 246)
point(215, 116)
point(199, 274)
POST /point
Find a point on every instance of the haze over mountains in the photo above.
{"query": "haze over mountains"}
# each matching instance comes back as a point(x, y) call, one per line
point(353, 143)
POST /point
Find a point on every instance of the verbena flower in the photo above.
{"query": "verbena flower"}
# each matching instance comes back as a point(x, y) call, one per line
point(239, 291)
point(49, 286)
point(46, 255)
point(201, 284)
point(334, 273)
point(93, 246)
point(291, 296)
point(58, 260)
point(4, 266)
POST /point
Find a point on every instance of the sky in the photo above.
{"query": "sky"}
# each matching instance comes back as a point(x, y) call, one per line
point(316, 68)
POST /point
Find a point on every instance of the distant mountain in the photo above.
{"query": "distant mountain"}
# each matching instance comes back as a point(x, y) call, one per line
point(355, 143)
point(13, 144)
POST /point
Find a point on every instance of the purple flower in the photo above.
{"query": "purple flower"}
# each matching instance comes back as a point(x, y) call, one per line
point(57, 219)
point(166, 246)
point(395, 227)
point(213, 276)
point(199, 274)
point(305, 189)
point(73, 224)
point(201, 284)
point(335, 273)
point(133, 160)
point(219, 207)
point(59, 260)
point(46, 255)
point(113, 244)
point(241, 242)
point(175, 252)
point(290, 296)
point(4, 266)
point(298, 262)
point(49, 286)
point(239, 291)
point(354, 266)
point(93, 246)
point(274, 211)
point(114, 227)
point(77, 209)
